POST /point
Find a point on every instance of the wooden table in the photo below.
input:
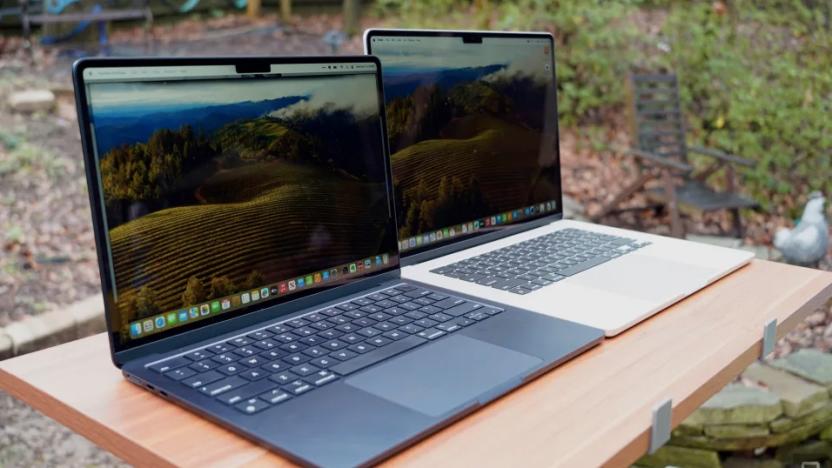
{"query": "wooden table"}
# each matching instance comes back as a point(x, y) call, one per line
point(595, 410)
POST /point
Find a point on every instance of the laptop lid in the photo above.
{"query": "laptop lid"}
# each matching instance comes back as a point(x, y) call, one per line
point(221, 188)
point(473, 135)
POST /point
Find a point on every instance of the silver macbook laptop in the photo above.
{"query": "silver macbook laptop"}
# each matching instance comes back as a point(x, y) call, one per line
point(472, 128)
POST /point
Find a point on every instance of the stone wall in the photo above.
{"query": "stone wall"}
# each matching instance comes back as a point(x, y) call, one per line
point(779, 415)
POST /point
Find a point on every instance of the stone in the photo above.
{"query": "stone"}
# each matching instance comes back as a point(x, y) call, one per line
point(815, 450)
point(793, 436)
point(826, 434)
point(680, 456)
point(810, 364)
point(687, 429)
point(798, 396)
point(738, 404)
point(743, 462)
point(736, 431)
point(33, 100)
point(784, 424)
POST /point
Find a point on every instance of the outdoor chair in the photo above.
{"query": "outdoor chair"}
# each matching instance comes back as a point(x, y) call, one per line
point(662, 153)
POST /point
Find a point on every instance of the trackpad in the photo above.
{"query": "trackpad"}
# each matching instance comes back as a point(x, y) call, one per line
point(444, 375)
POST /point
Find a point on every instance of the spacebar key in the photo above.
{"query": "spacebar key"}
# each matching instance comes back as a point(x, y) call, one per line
point(377, 355)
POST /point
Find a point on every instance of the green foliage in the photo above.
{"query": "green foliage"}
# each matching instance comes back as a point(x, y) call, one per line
point(756, 81)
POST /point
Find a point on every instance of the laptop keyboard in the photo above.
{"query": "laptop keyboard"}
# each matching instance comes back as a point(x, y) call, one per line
point(529, 265)
point(269, 366)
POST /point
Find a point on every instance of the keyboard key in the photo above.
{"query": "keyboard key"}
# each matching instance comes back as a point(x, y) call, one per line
point(351, 338)
point(338, 320)
point(253, 361)
point(369, 332)
point(246, 391)
point(322, 325)
point(411, 328)
point(385, 326)
point(230, 369)
point(415, 315)
point(181, 373)
point(283, 377)
point(462, 309)
point(370, 309)
point(304, 369)
point(222, 386)
point(305, 331)
point(278, 329)
point(265, 344)
point(492, 310)
point(285, 337)
point(347, 306)
point(395, 334)
point(298, 387)
point(272, 354)
point(292, 347)
point(431, 333)
point(401, 320)
point(449, 302)
point(296, 359)
point(221, 348)
point(252, 406)
point(203, 366)
point(361, 348)
point(203, 379)
point(348, 327)
point(363, 322)
point(275, 396)
point(448, 327)
point(253, 374)
point(334, 345)
point(440, 317)
point(464, 322)
point(330, 334)
point(362, 301)
point(297, 323)
point(330, 312)
point(376, 355)
point(240, 341)
point(323, 362)
point(312, 340)
point(170, 364)
point(260, 335)
point(225, 358)
point(199, 355)
point(321, 377)
point(343, 355)
point(378, 341)
point(477, 315)
point(426, 323)
point(395, 310)
point(315, 317)
point(315, 351)
point(276, 366)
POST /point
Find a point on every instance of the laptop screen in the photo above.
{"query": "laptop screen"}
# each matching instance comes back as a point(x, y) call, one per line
point(472, 126)
point(223, 192)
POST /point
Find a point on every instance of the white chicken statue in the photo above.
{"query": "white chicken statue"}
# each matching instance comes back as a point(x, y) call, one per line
point(806, 244)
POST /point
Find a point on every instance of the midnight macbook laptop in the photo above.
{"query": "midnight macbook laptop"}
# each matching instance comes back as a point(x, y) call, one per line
point(247, 245)
point(472, 123)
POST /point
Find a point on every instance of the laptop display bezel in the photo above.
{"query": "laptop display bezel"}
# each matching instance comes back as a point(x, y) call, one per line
point(473, 240)
point(122, 352)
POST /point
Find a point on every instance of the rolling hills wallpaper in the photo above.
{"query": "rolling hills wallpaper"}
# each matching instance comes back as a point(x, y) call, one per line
point(216, 187)
point(471, 128)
